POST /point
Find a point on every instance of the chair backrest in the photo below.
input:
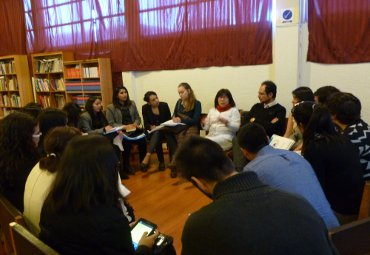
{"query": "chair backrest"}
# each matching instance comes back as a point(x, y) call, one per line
point(365, 202)
point(8, 213)
point(352, 238)
point(25, 242)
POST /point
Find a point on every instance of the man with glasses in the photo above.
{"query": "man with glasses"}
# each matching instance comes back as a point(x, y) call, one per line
point(268, 113)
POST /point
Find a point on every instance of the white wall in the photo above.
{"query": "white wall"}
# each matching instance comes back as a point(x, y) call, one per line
point(289, 70)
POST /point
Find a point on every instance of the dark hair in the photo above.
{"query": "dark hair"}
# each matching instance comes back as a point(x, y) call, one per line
point(16, 146)
point(225, 92)
point(316, 120)
point(55, 142)
point(345, 107)
point(32, 109)
point(148, 94)
point(303, 94)
point(115, 99)
point(73, 111)
point(86, 176)
point(252, 137)
point(48, 119)
point(270, 87)
point(98, 119)
point(191, 102)
point(191, 159)
point(323, 93)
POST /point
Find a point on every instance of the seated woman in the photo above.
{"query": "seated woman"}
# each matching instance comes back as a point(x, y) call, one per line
point(92, 120)
point(81, 214)
point(123, 111)
point(292, 131)
point(223, 120)
point(333, 157)
point(187, 111)
point(18, 155)
point(43, 174)
point(155, 113)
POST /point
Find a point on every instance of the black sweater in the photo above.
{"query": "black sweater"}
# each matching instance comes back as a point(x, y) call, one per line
point(264, 116)
point(248, 217)
point(150, 118)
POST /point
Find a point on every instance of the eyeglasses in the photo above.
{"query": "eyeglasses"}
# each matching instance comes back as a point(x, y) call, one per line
point(37, 135)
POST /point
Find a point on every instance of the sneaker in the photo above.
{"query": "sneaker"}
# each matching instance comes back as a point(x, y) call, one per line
point(161, 166)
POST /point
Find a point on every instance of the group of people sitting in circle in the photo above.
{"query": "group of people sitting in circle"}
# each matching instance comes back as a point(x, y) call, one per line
point(69, 185)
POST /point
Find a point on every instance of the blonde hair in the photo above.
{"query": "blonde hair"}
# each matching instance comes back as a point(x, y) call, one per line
point(191, 100)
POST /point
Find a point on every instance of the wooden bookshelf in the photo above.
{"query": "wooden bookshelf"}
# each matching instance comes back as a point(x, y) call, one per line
point(85, 78)
point(15, 83)
point(48, 82)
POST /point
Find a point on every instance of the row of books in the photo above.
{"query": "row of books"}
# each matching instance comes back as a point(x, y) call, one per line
point(72, 86)
point(11, 84)
point(7, 67)
point(46, 85)
point(72, 73)
point(60, 100)
point(49, 65)
point(91, 72)
point(44, 101)
point(80, 99)
point(13, 100)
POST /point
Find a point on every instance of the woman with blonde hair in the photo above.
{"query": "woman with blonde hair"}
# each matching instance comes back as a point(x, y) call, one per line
point(187, 111)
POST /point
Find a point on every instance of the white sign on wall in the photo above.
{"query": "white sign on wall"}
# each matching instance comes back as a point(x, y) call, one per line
point(287, 16)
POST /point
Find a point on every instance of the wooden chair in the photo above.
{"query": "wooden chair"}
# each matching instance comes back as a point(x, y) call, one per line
point(8, 213)
point(364, 211)
point(24, 242)
point(352, 238)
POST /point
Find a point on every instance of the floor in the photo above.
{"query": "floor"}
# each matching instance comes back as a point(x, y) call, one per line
point(163, 200)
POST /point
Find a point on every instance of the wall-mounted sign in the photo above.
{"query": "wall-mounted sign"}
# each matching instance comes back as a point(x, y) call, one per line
point(287, 16)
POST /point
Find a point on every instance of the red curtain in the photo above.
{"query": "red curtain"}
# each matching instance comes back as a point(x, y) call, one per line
point(12, 28)
point(339, 31)
point(154, 34)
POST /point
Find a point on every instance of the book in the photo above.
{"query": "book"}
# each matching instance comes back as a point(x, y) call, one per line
point(280, 142)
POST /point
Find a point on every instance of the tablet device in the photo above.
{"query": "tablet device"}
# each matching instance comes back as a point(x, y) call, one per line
point(141, 226)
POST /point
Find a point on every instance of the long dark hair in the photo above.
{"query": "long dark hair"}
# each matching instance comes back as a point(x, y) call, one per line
point(316, 120)
point(55, 142)
point(16, 146)
point(115, 99)
point(86, 176)
point(98, 118)
point(225, 92)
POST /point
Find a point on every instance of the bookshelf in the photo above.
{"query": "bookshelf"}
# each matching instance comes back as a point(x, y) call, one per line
point(85, 78)
point(48, 82)
point(15, 83)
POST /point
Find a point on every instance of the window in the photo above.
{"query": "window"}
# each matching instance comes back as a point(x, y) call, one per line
point(65, 22)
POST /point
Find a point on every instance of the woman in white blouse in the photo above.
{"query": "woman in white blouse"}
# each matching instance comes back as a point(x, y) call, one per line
point(223, 120)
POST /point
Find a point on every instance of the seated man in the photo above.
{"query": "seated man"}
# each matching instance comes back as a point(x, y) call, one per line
point(267, 113)
point(283, 169)
point(246, 216)
point(346, 111)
